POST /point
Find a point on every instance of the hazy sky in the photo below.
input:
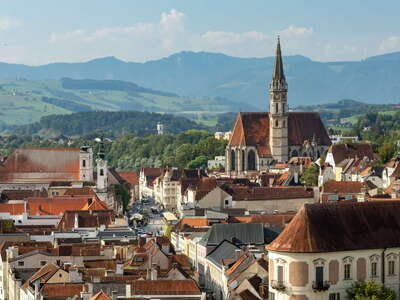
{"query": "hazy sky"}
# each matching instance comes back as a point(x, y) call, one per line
point(42, 31)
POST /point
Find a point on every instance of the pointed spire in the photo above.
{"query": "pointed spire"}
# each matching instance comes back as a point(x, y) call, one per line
point(278, 76)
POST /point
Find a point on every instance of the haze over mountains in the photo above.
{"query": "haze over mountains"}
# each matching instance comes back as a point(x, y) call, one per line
point(374, 80)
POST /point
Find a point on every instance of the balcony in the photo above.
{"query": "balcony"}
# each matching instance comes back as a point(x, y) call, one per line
point(278, 285)
point(320, 286)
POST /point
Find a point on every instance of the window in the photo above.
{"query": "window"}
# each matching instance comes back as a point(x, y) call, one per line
point(84, 163)
point(21, 263)
point(226, 202)
point(319, 275)
point(276, 123)
point(276, 108)
point(391, 265)
point(101, 172)
point(334, 296)
point(271, 296)
point(374, 269)
point(43, 262)
point(280, 273)
point(347, 271)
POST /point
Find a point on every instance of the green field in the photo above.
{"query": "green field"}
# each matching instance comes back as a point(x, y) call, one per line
point(26, 101)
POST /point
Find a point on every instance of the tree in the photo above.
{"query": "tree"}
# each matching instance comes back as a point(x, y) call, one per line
point(370, 291)
point(123, 195)
point(310, 175)
point(199, 162)
point(387, 151)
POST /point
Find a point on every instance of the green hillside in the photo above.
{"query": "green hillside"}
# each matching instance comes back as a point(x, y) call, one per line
point(26, 101)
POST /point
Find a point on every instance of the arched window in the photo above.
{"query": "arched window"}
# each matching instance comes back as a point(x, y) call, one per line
point(251, 160)
point(233, 160)
point(276, 107)
point(283, 107)
point(276, 123)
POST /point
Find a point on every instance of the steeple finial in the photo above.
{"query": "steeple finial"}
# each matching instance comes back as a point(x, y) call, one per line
point(278, 75)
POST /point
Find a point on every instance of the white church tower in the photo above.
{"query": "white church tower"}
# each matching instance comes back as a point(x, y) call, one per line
point(86, 164)
point(278, 111)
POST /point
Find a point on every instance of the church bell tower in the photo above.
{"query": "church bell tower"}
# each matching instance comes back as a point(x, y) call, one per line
point(278, 111)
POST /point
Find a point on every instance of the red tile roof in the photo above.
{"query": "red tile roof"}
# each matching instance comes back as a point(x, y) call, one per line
point(165, 287)
point(342, 187)
point(100, 296)
point(252, 129)
point(84, 191)
point(61, 290)
point(130, 177)
point(54, 206)
point(245, 193)
point(192, 222)
point(345, 226)
point(41, 165)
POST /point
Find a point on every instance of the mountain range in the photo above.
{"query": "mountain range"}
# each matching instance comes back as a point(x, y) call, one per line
point(242, 80)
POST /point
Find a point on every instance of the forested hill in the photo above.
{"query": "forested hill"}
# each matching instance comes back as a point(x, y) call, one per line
point(26, 101)
point(108, 123)
point(243, 80)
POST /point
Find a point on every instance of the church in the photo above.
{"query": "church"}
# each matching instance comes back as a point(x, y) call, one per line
point(261, 139)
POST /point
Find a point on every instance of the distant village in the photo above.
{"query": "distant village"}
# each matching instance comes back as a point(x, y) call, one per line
point(288, 212)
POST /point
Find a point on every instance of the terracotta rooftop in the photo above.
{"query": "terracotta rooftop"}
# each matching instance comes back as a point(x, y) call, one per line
point(130, 177)
point(61, 290)
point(192, 222)
point(245, 193)
point(41, 165)
point(165, 287)
point(342, 187)
point(54, 206)
point(100, 296)
point(252, 129)
point(331, 227)
point(84, 191)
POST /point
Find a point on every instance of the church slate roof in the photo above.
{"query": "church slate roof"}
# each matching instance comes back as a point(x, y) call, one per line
point(252, 129)
point(345, 226)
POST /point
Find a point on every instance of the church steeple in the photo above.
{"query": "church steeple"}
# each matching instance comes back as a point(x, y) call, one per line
point(278, 76)
point(278, 110)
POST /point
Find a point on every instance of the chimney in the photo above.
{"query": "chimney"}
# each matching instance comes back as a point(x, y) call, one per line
point(119, 269)
point(75, 275)
point(238, 253)
point(154, 272)
point(114, 295)
point(128, 291)
point(76, 223)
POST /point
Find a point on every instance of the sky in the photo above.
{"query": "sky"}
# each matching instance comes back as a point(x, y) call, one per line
point(44, 31)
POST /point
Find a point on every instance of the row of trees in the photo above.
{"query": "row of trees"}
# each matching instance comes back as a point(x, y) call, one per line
point(190, 149)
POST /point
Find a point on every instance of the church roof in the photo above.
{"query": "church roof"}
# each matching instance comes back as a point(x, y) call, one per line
point(252, 129)
point(41, 165)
